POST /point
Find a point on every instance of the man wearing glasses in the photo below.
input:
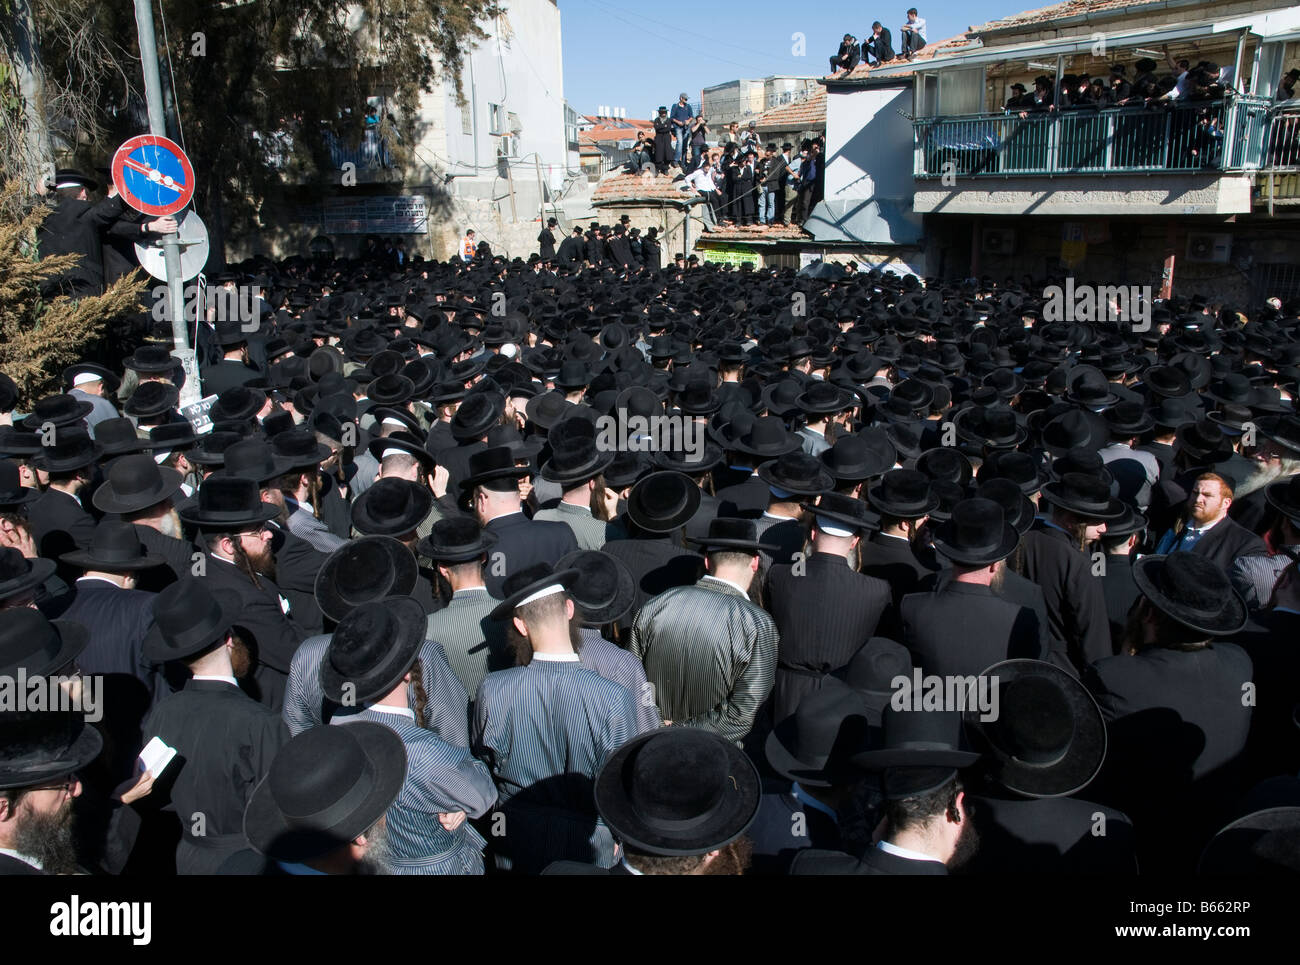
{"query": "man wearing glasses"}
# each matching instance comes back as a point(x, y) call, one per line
point(40, 753)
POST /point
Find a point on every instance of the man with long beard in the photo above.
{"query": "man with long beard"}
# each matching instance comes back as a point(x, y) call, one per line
point(142, 493)
point(224, 740)
point(40, 753)
point(233, 520)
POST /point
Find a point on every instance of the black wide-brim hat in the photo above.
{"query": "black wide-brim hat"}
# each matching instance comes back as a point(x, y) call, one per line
point(653, 766)
point(35, 572)
point(865, 523)
point(372, 648)
point(492, 465)
point(908, 496)
point(1065, 494)
point(152, 399)
point(1192, 590)
point(545, 576)
point(728, 533)
point(815, 745)
point(797, 473)
point(58, 410)
point(663, 501)
point(1264, 843)
point(456, 540)
point(391, 507)
point(209, 628)
point(997, 545)
point(363, 570)
point(226, 504)
point(114, 559)
point(588, 463)
point(1053, 718)
point(39, 746)
point(151, 360)
point(402, 443)
point(604, 591)
point(134, 483)
point(308, 774)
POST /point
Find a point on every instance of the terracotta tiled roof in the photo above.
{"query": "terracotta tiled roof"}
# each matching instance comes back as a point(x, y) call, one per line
point(761, 232)
point(951, 45)
point(1058, 11)
point(617, 188)
point(607, 132)
point(802, 115)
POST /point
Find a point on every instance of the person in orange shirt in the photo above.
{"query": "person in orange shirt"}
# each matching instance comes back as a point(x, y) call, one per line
point(468, 246)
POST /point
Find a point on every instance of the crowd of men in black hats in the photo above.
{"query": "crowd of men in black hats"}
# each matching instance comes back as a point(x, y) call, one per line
point(621, 246)
point(402, 608)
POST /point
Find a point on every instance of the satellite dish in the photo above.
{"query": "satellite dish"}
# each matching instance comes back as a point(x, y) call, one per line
point(194, 249)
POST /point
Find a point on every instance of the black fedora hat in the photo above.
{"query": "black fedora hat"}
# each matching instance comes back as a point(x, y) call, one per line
point(824, 398)
point(171, 437)
point(1284, 496)
point(478, 412)
point(1193, 591)
point(766, 438)
point(872, 672)
point(71, 449)
point(837, 515)
point(402, 442)
point(391, 507)
point(1048, 738)
point(456, 539)
point(297, 449)
point(1128, 419)
point(1284, 430)
point(390, 390)
point(228, 503)
point(190, 618)
point(663, 501)
point(1020, 467)
point(604, 590)
point(925, 739)
point(18, 442)
point(698, 397)
point(494, 468)
point(677, 791)
point(83, 372)
point(39, 746)
point(251, 459)
point(1167, 382)
point(575, 455)
point(977, 534)
point(37, 645)
point(532, 583)
point(903, 494)
point(731, 533)
point(12, 493)
point(546, 409)
point(1202, 442)
point(371, 649)
point(574, 375)
point(796, 474)
point(1084, 495)
point(859, 456)
point(151, 360)
point(815, 745)
point(361, 571)
point(237, 404)
point(153, 399)
point(57, 410)
point(1075, 429)
point(18, 574)
point(115, 548)
point(136, 482)
point(1017, 508)
point(326, 786)
point(211, 447)
point(945, 462)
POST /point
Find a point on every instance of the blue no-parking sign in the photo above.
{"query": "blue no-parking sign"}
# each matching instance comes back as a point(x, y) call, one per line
point(153, 175)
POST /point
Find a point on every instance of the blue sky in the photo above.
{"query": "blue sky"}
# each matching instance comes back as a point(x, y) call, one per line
point(638, 55)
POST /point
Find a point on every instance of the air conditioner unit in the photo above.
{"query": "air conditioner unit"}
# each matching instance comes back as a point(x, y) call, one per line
point(998, 241)
point(1203, 246)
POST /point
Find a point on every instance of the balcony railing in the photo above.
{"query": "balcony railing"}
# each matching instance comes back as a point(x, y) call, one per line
point(1279, 182)
point(1178, 137)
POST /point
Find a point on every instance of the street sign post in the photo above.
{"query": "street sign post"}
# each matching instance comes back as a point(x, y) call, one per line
point(153, 175)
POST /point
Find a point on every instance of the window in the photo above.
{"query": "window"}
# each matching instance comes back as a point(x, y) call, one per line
point(466, 120)
point(949, 92)
point(497, 119)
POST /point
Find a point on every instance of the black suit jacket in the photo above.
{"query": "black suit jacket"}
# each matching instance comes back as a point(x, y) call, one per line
point(963, 629)
point(824, 616)
point(571, 250)
point(881, 47)
point(75, 228)
point(894, 561)
point(874, 862)
point(12, 866)
point(1121, 591)
point(226, 374)
point(178, 554)
point(521, 543)
point(224, 745)
point(1076, 602)
point(59, 524)
point(748, 499)
point(1227, 540)
point(297, 564)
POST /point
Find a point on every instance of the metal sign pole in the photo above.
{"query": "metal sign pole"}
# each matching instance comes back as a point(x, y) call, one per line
point(171, 243)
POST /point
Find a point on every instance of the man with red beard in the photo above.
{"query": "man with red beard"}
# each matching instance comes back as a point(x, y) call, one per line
point(40, 753)
point(233, 521)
